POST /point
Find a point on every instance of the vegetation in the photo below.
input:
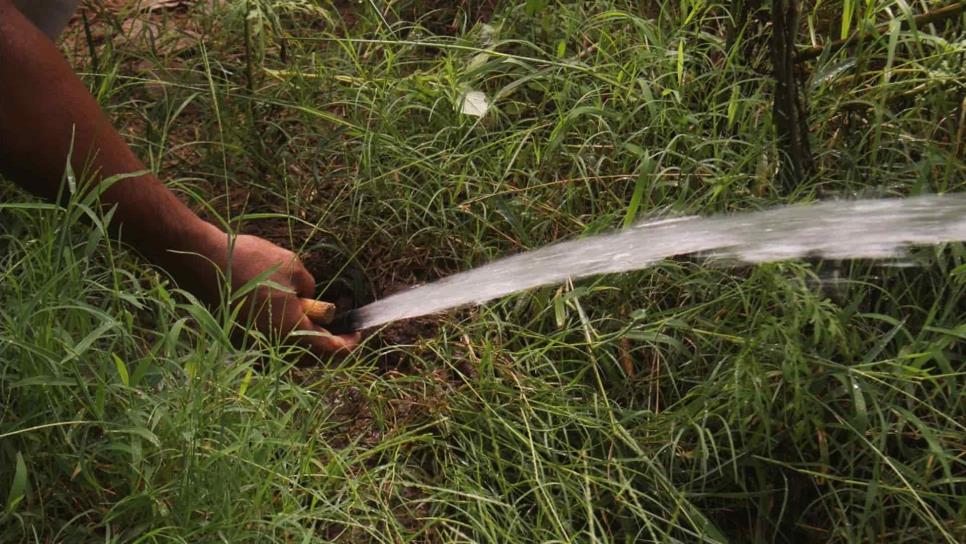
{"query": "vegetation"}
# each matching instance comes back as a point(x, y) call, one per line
point(792, 402)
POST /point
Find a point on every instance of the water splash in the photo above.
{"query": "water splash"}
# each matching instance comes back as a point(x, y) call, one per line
point(834, 230)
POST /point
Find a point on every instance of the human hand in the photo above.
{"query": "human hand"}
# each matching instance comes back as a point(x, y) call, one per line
point(278, 311)
point(273, 307)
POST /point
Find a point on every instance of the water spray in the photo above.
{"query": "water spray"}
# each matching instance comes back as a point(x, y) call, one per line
point(835, 230)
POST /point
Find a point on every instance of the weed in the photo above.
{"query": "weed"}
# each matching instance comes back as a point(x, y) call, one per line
point(791, 402)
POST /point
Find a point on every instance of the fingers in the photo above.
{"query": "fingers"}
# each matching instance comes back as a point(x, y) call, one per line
point(323, 342)
point(282, 316)
point(277, 311)
point(302, 279)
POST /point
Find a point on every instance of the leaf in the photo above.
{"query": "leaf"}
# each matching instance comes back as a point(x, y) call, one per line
point(139, 372)
point(959, 332)
point(121, 370)
point(848, 8)
point(733, 104)
point(29, 206)
point(559, 311)
point(561, 49)
point(828, 73)
point(652, 106)
point(932, 441)
point(246, 381)
point(635, 204)
point(173, 334)
point(85, 344)
point(560, 130)
point(883, 342)
point(18, 487)
point(681, 62)
point(858, 402)
point(142, 432)
point(100, 398)
point(533, 7)
point(44, 380)
point(894, 27)
point(655, 338)
point(474, 103)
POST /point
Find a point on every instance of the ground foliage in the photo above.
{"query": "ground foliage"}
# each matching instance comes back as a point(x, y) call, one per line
point(792, 402)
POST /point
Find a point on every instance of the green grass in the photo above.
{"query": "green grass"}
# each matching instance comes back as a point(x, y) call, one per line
point(792, 402)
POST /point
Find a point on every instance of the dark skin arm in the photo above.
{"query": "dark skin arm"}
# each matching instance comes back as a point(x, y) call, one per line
point(44, 107)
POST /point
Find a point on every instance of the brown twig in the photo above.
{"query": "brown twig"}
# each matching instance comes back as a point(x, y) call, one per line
point(928, 18)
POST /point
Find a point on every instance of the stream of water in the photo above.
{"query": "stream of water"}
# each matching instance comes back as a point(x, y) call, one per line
point(833, 230)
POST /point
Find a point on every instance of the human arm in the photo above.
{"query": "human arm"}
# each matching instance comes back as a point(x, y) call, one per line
point(46, 115)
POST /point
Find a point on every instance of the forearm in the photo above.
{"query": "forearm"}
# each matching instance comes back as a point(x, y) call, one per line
point(47, 115)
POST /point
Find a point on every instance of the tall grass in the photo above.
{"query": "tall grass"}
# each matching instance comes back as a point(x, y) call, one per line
point(792, 402)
